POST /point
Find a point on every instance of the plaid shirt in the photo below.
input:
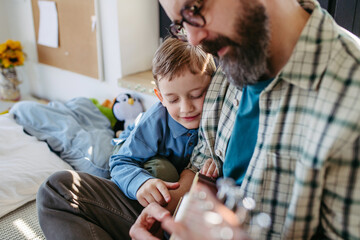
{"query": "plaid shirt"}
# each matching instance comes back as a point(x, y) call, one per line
point(305, 170)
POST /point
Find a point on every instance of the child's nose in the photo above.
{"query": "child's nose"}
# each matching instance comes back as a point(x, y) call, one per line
point(187, 106)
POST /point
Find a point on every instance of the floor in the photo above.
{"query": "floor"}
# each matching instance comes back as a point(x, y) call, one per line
point(21, 224)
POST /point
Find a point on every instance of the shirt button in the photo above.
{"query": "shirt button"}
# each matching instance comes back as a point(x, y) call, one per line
point(190, 144)
point(236, 102)
point(218, 152)
point(188, 134)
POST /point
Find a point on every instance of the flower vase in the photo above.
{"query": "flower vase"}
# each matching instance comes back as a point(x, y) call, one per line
point(9, 82)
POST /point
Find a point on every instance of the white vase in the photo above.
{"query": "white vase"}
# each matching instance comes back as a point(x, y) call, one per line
point(9, 82)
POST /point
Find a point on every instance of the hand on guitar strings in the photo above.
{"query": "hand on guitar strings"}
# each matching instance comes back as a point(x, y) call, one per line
point(204, 217)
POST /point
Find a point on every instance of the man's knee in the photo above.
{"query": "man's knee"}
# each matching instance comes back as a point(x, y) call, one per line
point(55, 186)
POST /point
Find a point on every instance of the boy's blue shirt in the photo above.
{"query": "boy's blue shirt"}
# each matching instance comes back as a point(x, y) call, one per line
point(157, 133)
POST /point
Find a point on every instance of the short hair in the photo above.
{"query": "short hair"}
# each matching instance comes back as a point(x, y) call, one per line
point(174, 57)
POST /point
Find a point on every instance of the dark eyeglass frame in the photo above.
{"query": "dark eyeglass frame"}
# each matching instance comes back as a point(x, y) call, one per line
point(192, 16)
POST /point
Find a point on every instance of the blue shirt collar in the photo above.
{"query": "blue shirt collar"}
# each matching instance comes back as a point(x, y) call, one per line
point(177, 129)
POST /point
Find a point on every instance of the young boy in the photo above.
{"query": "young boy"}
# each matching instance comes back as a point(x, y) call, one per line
point(168, 129)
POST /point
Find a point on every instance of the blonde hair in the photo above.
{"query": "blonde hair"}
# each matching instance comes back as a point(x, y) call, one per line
point(174, 57)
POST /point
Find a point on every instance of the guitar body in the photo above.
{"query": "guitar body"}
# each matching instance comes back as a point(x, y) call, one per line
point(220, 217)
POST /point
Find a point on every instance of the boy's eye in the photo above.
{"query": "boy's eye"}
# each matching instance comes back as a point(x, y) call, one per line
point(172, 100)
point(198, 96)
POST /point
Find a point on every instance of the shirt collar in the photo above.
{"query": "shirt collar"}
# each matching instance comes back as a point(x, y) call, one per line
point(312, 52)
point(177, 129)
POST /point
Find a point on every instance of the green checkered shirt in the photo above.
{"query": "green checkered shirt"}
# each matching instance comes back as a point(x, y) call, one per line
point(305, 170)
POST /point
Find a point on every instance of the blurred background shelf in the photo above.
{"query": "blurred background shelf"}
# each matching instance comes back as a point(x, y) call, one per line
point(141, 82)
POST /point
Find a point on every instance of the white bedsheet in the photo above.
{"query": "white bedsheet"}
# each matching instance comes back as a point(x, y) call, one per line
point(25, 163)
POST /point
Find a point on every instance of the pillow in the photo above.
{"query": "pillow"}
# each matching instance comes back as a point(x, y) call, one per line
point(25, 163)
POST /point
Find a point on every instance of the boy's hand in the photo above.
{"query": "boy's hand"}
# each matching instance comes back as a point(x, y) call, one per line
point(209, 169)
point(155, 190)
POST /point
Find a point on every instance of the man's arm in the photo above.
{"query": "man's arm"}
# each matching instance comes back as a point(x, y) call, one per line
point(186, 178)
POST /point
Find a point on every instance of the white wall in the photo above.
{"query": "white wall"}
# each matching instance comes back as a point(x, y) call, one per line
point(4, 23)
point(129, 29)
point(139, 23)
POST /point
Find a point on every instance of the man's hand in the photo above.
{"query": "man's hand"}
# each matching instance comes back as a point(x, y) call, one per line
point(145, 226)
point(205, 218)
point(209, 169)
point(155, 190)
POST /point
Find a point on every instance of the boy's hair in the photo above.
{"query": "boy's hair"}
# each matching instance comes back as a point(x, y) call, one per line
point(174, 56)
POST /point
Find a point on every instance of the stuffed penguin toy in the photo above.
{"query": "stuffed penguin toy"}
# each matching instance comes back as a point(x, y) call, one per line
point(126, 108)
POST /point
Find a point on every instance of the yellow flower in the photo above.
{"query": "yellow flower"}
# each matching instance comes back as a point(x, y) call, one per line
point(6, 63)
point(14, 45)
point(3, 47)
point(20, 58)
point(11, 54)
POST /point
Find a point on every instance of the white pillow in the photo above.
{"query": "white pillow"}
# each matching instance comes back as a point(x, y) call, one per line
point(25, 163)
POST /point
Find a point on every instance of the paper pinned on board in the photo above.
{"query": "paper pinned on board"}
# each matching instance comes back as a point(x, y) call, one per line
point(48, 24)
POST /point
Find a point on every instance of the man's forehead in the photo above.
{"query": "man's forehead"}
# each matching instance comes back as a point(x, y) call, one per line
point(173, 7)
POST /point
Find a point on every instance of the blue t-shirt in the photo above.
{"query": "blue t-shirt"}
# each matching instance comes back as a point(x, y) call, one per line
point(244, 135)
point(157, 133)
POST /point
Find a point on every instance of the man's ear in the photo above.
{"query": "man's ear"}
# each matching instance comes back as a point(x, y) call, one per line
point(158, 94)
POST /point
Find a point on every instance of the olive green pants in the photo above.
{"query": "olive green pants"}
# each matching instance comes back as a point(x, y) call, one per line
point(158, 167)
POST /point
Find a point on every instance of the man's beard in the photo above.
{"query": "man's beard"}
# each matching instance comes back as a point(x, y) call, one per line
point(246, 61)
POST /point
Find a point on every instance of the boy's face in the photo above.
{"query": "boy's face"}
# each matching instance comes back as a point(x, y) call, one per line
point(183, 97)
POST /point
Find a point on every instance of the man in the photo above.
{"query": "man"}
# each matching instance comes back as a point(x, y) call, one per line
point(297, 77)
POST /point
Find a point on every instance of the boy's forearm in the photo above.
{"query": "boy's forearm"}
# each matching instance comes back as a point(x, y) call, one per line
point(186, 178)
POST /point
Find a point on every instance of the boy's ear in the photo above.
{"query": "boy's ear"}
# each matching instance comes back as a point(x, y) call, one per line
point(158, 94)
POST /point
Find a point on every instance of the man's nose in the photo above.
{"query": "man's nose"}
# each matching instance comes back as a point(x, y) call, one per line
point(195, 35)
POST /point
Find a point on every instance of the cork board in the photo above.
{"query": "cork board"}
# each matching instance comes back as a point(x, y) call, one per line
point(78, 47)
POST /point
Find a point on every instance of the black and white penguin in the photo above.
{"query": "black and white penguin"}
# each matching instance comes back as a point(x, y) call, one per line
point(125, 109)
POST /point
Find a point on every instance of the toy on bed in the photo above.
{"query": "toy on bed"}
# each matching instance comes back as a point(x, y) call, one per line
point(125, 109)
point(122, 111)
point(106, 109)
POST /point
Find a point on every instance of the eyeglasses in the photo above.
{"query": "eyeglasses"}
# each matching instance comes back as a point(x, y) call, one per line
point(191, 15)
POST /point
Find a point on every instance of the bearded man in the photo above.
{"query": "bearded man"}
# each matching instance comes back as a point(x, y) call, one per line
point(285, 126)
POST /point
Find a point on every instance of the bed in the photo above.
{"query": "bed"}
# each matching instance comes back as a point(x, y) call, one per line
point(37, 140)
